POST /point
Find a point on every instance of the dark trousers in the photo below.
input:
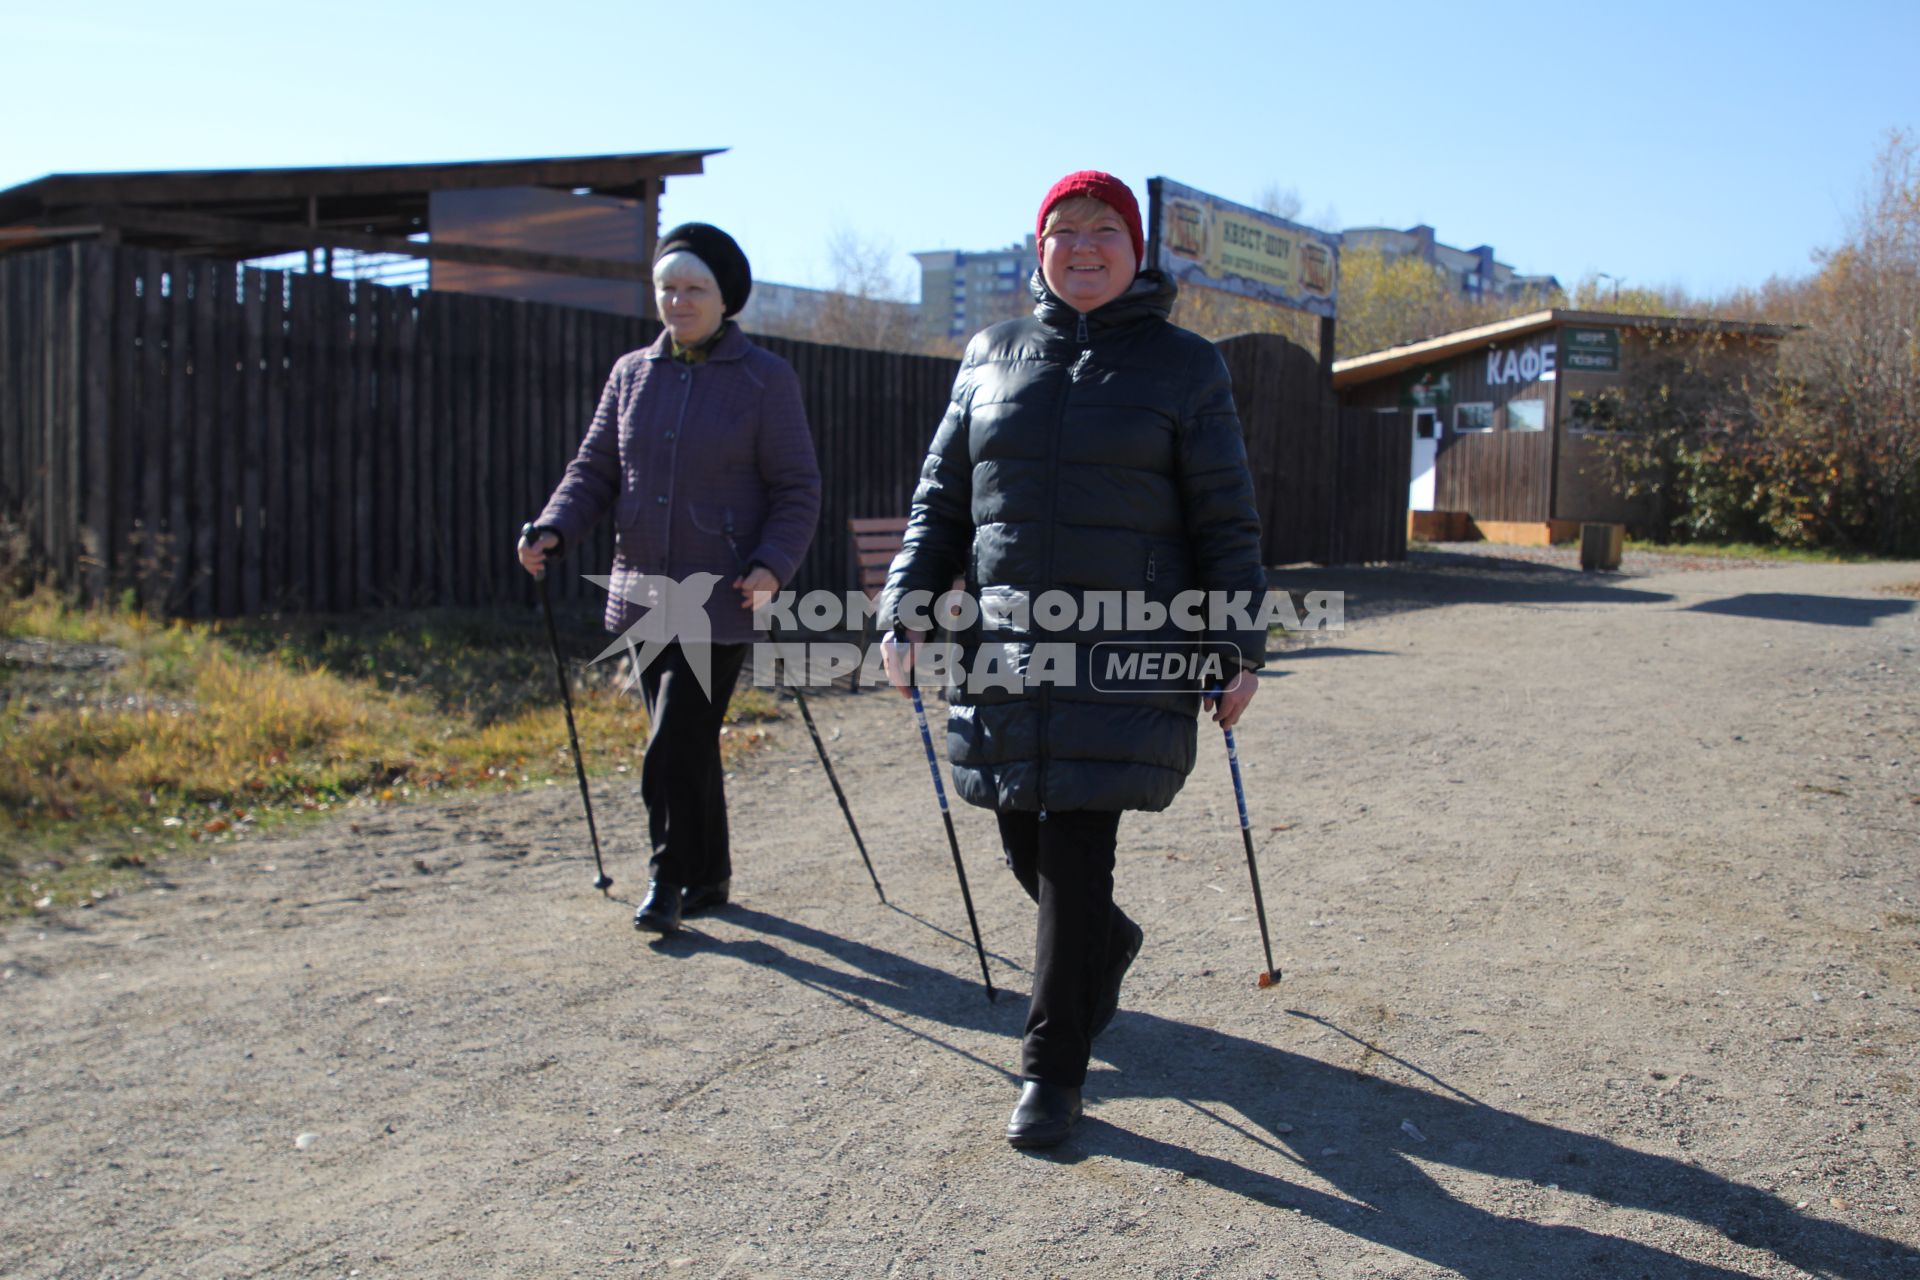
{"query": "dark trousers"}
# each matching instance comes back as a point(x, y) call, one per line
point(681, 779)
point(1066, 866)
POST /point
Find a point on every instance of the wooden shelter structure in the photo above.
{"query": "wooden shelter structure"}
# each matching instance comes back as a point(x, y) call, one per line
point(506, 227)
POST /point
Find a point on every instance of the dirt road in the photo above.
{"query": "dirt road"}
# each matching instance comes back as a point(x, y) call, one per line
point(1596, 899)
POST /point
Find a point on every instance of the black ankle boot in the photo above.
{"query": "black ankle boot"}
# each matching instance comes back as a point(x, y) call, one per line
point(704, 897)
point(661, 910)
point(1045, 1115)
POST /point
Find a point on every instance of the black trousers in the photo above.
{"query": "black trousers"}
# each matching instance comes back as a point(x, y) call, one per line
point(681, 779)
point(1065, 864)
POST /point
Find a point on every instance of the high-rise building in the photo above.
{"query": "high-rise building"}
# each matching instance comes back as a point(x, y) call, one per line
point(962, 292)
point(1475, 271)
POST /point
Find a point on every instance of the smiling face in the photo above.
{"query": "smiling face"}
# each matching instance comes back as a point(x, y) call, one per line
point(688, 298)
point(1087, 255)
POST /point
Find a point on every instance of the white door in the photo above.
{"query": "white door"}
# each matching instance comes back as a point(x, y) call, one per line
point(1426, 448)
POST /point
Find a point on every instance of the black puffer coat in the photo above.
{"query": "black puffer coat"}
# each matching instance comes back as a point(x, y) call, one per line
point(1079, 455)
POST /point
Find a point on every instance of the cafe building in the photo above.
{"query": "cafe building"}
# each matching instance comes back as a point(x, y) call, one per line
point(1500, 425)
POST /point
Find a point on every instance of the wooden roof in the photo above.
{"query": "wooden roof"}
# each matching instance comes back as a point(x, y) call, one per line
point(250, 213)
point(1392, 360)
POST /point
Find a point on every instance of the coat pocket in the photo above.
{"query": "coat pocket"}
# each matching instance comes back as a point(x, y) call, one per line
point(720, 534)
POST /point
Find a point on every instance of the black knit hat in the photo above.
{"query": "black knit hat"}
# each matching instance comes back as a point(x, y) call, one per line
point(723, 257)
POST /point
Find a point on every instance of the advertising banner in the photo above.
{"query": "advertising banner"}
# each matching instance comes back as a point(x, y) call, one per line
point(1203, 240)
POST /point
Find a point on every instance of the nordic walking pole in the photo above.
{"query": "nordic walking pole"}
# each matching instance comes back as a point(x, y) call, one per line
point(821, 747)
point(601, 880)
point(813, 731)
point(1269, 975)
point(953, 841)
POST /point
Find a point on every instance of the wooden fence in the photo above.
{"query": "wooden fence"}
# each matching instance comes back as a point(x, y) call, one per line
point(1331, 482)
point(223, 441)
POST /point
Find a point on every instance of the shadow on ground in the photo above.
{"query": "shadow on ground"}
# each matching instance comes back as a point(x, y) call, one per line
point(1431, 578)
point(1826, 611)
point(1371, 1140)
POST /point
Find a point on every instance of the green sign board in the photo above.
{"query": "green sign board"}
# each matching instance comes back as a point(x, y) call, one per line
point(1590, 350)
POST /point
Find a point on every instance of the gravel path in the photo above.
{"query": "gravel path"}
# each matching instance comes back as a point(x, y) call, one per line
point(1595, 895)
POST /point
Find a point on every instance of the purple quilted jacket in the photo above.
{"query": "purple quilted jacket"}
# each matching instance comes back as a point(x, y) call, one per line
point(684, 454)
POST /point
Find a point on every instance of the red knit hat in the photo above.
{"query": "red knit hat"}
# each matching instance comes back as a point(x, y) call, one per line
point(1103, 187)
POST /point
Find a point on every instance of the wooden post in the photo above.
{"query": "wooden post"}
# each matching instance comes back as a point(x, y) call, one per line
point(368, 389)
point(95, 452)
point(228, 424)
point(204, 475)
point(275, 516)
point(62, 514)
point(651, 191)
point(348, 337)
point(179, 434)
point(303, 434)
point(407, 438)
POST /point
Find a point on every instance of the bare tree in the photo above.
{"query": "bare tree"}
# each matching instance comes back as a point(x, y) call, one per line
point(1327, 218)
point(1285, 202)
point(867, 305)
point(1281, 202)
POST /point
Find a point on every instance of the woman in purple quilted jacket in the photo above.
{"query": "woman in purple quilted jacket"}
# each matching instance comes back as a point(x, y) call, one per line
point(701, 452)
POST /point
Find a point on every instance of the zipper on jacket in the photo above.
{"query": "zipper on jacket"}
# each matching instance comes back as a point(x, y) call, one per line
point(1149, 566)
point(672, 495)
point(1053, 497)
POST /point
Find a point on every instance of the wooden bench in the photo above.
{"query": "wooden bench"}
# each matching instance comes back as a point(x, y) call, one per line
point(873, 542)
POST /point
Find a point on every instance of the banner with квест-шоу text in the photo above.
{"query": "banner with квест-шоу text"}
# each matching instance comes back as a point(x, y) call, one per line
point(1203, 240)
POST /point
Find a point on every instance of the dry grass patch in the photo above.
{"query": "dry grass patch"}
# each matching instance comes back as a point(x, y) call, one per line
point(127, 740)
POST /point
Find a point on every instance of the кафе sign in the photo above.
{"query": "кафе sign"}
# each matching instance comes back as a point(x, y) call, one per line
point(1531, 363)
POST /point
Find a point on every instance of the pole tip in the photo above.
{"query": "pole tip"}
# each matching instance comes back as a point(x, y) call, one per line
point(1269, 978)
point(603, 882)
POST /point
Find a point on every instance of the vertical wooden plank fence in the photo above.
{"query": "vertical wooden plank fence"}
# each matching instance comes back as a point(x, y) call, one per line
point(226, 441)
point(1331, 484)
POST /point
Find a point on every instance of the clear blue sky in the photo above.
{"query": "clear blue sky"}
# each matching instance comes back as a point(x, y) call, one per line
point(1705, 144)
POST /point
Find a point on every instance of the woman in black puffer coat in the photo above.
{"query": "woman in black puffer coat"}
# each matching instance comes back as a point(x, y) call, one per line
point(1089, 471)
